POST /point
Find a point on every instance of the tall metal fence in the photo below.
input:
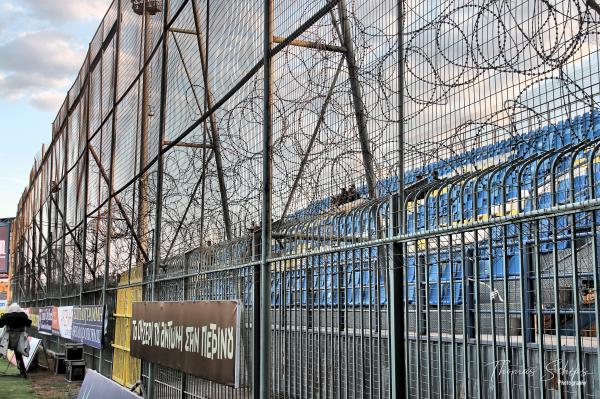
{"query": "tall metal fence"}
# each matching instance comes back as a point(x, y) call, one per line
point(403, 195)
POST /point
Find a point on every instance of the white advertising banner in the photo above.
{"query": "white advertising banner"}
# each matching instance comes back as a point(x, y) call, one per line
point(65, 321)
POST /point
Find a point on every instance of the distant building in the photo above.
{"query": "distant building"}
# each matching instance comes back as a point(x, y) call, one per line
point(5, 227)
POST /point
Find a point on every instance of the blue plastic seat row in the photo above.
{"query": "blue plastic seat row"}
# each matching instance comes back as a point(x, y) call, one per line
point(554, 136)
point(364, 286)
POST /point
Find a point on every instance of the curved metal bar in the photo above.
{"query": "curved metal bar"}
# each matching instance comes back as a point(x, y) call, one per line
point(574, 260)
point(576, 150)
point(450, 183)
point(490, 173)
point(592, 156)
point(508, 172)
point(555, 163)
point(538, 165)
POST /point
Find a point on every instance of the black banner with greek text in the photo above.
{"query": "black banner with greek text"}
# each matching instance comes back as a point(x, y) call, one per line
point(201, 338)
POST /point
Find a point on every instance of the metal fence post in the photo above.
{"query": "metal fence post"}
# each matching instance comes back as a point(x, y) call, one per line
point(528, 294)
point(112, 153)
point(160, 171)
point(256, 256)
point(64, 192)
point(86, 161)
point(267, 177)
point(396, 306)
point(396, 266)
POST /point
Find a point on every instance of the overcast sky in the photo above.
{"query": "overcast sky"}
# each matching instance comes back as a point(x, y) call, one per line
point(42, 46)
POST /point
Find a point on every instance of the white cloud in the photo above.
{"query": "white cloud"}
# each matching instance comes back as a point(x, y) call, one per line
point(36, 62)
point(8, 7)
point(70, 10)
point(49, 52)
point(48, 101)
point(16, 85)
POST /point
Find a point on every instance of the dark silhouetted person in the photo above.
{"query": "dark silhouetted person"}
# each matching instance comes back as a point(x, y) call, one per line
point(338, 199)
point(344, 196)
point(15, 321)
point(353, 193)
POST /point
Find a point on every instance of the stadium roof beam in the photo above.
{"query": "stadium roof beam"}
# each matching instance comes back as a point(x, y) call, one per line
point(312, 45)
point(280, 39)
point(189, 145)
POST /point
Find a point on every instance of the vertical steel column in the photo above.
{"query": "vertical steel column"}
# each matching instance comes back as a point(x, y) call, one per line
point(142, 229)
point(86, 160)
point(575, 277)
point(160, 171)
point(65, 132)
point(256, 256)
point(357, 100)
point(33, 261)
point(594, 239)
point(396, 306)
point(267, 192)
point(50, 240)
point(523, 285)
point(470, 290)
point(40, 225)
point(529, 293)
point(28, 265)
point(115, 84)
point(396, 267)
point(9, 228)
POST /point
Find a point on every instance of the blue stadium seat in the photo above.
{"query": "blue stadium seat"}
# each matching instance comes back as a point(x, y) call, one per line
point(446, 291)
point(432, 204)
point(246, 273)
point(275, 288)
point(410, 222)
point(433, 293)
point(325, 284)
point(443, 208)
point(295, 288)
point(420, 216)
point(432, 274)
point(410, 279)
point(595, 123)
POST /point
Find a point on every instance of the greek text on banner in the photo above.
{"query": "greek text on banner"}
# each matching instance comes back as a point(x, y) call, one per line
point(201, 338)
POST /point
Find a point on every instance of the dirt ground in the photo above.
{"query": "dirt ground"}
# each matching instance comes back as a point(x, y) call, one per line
point(51, 386)
point(48, 385)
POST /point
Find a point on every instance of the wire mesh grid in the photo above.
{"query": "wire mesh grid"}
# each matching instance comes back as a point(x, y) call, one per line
point(486, 109)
